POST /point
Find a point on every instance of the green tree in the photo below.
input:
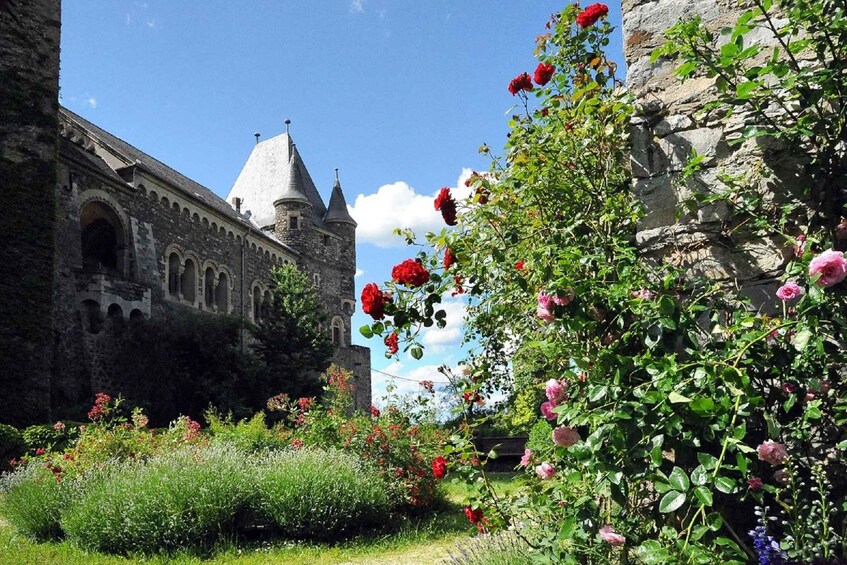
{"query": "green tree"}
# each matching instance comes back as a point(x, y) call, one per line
point(290, 341)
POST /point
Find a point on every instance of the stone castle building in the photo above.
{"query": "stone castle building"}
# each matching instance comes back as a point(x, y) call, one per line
point(98, 233)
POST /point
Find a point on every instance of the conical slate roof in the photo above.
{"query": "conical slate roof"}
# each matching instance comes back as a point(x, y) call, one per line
point(267, 176)
point(337, 211)
point(294, 187)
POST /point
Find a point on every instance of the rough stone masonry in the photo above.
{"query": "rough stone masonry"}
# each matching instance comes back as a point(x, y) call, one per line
point(668, 126)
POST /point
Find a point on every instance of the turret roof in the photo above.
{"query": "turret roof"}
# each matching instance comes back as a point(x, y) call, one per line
point(337, 211)
point(267, 176)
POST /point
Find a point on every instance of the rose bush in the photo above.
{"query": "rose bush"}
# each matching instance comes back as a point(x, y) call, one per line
point(671, 381)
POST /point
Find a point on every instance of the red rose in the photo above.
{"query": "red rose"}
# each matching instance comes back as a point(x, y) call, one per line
point(591, 14)
point(755, 483)
point(375, 411)
point(458, 288)
point(474, 515)
point(543, 73)
point(444, 202)
point(449, 258)
point(439, 467)
point(391, 343)
point(410, 272)
point(520, 82)
point(519, 265)
point(374, 301)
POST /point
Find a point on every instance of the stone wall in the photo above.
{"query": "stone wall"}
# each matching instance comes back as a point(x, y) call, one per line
point(29, 75)
point(668, 126)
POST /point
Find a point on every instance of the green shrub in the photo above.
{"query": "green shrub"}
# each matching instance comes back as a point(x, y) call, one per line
point(34, 500)
point(11, 443)
point(248, 435)
point(540, 436)
point(314, 494)
point(50, 436)
point(189, 498)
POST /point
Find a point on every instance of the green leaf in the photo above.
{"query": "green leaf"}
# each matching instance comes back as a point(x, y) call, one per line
point(679, 480)
point(416, 352)
point(704, 495)
point(676, 398)
point(801, 339)
point(366, 331)
point(671, 501)
point(725, 485)
point(699, 476)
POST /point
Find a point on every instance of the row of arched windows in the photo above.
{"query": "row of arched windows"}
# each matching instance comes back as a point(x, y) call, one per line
point(181, 209)
point(207, 286)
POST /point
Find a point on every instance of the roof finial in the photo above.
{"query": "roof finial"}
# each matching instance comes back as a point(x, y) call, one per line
point(287, 124)
point(257, 134)
point(336, 174)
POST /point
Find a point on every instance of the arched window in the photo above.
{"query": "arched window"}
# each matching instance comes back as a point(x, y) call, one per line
point(222, 294)
point(337, 331)
point(173, 275)
point(257, 304)
point(209, 287)
point(115, 316)
point(103, 240)
point(92, 319)
point(188, 281)
point(266, 304)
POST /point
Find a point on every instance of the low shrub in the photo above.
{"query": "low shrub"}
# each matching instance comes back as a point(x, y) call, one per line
point(50, 436)
point(11, 444)
point(248, 435)
point(33, 501)
point(188, 498)
point(320, 495)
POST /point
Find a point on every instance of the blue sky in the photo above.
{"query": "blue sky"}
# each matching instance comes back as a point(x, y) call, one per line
point(397, 94)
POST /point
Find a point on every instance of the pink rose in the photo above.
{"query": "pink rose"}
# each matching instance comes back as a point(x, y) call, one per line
point(564, 300)
point(527, 458)
point(545, 307)
point(565, 436)
point(831, 266)
point(789, 291)
point(755, 483)
point(644, 294)
point(610, 536)
point(547, 411)
point(545, 471)
point(772, 452)
point(555, 391)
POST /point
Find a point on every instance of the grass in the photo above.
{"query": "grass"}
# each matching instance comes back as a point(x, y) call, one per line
point(416, 541)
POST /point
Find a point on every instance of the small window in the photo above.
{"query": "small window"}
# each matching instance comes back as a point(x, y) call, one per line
point(292, 222)
point(326, 240)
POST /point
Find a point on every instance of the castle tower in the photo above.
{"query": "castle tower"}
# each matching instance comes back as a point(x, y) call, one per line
point(339, 221)
point(293, 209)
point(29, 144)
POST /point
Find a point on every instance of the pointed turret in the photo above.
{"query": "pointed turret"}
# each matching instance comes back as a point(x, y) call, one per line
point(294, 189)
point(337, 210)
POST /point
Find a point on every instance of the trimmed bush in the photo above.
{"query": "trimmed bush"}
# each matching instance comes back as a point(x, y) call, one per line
point(190, 498)
point(320, 495)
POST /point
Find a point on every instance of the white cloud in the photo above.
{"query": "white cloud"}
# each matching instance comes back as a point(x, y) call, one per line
point(399, 205)
point(151, 24)
point(357, 7)
point(395, 205)
point(439, 340)
point(359, 272)
point(92, 101)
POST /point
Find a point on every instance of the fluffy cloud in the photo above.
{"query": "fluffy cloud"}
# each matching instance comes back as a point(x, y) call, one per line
point(92, 101)
point(357, 6)
point(438, 340)
point(398, 205)
point(359, 273)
